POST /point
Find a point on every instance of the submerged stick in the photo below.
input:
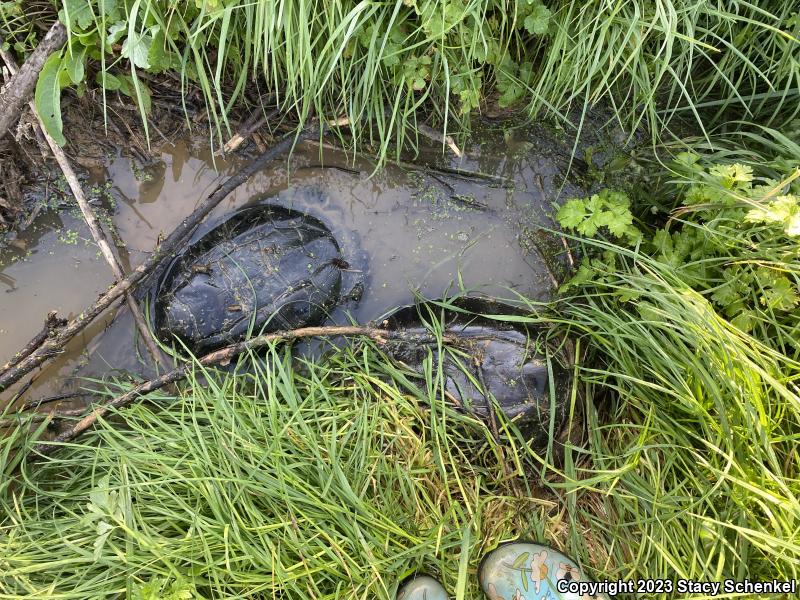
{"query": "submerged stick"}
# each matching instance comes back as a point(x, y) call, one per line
point(51, 322)
point(105, 248)
point(247, 129)
point(437, 136)
point(20, 87)
point(53, 345)
point(38, 403)
point(94, 228)
point(464, 174)
point(222, 357)
point(59, 415)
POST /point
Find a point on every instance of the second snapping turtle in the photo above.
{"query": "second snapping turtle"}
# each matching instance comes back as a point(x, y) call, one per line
point(490, 363)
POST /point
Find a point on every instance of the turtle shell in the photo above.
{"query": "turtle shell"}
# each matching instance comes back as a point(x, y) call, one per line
point(265, 268)
point(492, 355)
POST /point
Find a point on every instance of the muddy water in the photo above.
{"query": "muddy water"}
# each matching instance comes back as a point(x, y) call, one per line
point(419, 231)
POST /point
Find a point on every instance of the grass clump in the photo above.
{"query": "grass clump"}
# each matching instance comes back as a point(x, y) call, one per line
point(390, 66)
point(693, 328)
point(692, 458)
point(331, 483)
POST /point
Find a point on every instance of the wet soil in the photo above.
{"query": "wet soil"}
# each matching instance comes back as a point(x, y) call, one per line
point(432, 226)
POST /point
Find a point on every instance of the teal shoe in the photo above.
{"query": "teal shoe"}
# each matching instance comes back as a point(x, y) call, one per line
point(527, 571)
point(422, 588)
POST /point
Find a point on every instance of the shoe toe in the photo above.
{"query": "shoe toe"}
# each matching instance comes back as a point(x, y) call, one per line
point(422, 588)
point(527, 571)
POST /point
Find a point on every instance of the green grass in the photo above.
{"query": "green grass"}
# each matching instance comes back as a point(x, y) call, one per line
point(340, 480)
point(336, 482)
point(390, 66)
point(694, 456)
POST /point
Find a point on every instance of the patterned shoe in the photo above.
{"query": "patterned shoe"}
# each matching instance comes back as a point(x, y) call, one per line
point(422, 588)
point(527, 571)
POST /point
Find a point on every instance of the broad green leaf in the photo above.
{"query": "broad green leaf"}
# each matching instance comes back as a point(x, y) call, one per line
point(48, 98)
point(159, 56)
point(99, 495)
point(109, 8)
point(585, 274)
point(662, 241)
point(115, 32)
point(745, 320)
point(784, 211)
point(9, 9)
point(725, 295)
point(137, 90)
point(487, 51)
point(75, 64)
point(103, 528)
point(109, 81)
point(780, 294)
point(619, 220)
point(733, 176)
point(511, 92)
point(572, 213)
point(137, 49)
point(103, 531)
point(76, 14)
point(539, 20)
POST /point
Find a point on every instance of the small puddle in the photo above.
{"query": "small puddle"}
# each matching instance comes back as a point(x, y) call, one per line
point(430, 232)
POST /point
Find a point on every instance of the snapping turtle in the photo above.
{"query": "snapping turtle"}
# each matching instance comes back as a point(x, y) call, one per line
point(495, 356)
point(265, 268)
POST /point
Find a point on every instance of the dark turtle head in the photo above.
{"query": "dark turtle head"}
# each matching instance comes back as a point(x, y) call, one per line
point(503, 369)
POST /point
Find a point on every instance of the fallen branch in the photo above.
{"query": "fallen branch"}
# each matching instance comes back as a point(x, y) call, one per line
point(19, 88)
point(105, 248)
point(436, 136)
point(223, 357)
point(94, 228)
point(53, 345)
point(252, 124)
point(51, 322)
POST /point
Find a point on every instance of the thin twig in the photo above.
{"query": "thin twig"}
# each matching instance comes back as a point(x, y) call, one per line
point(56, 415)
point(223, 357)
point(38, 403)
point(436, 136)
point(250, 126)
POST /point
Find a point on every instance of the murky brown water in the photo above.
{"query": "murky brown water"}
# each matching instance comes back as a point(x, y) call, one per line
point(430, 233)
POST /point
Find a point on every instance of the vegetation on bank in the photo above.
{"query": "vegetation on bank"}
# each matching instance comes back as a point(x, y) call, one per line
point(338, 479)
point(389, 66)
